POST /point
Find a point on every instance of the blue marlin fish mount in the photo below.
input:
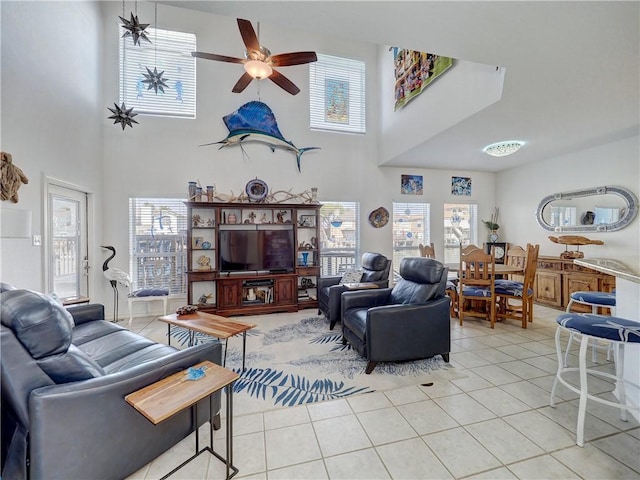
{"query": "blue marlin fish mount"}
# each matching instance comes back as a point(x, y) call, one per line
point(255, 122)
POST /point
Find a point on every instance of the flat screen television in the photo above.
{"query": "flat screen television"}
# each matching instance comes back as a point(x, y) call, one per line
point(246, 250)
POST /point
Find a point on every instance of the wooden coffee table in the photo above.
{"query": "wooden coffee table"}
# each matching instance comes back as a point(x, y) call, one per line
point(209, 324)
point(165, 398)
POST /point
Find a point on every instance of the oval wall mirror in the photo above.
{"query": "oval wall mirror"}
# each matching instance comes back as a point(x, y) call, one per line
point(600, 209)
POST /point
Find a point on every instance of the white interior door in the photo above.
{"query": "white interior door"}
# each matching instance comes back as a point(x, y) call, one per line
point(68, 259)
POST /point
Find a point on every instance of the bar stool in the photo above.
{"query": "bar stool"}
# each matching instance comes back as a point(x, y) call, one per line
point(590, 327)
point(596, 300)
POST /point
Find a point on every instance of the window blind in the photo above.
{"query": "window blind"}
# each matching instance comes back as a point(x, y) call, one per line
point(411, 227)
point(460, 226)
point(339, 237)
point(337, 94)
point(157, 243)
point(169, 52)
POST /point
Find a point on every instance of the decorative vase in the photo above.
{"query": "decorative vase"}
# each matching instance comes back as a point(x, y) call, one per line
point(305, 258)
point(232, 218)
point(192, 191)
point(493, 236)
point(209, 193)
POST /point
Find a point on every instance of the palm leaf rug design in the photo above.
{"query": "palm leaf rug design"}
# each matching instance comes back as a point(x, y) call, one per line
point(292, 361)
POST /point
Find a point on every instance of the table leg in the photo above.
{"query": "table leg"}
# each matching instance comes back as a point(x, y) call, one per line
point(168, 334)
point(226, 347)
point(244, 347)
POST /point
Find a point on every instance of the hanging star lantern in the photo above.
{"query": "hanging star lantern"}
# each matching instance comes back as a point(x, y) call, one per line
point(135, 29)
point(122, 115)
point(155, 80)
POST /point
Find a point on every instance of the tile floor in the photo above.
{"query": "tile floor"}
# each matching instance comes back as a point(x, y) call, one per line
point(489, 418)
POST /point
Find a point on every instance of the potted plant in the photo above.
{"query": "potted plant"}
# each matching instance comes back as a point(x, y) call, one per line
point(492, 225)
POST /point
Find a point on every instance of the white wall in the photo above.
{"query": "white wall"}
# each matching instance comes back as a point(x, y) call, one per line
point(463, 90)
point(51, 105)
point(518, 192)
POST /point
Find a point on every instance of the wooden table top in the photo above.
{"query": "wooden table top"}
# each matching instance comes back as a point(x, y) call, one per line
point(165, 398)
point(209, 324)
point(500, 269)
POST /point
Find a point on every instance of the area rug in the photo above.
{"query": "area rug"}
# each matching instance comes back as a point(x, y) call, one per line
point(292, 361)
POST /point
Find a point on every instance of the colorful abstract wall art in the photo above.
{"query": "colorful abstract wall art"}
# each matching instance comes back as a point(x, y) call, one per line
point(415, 71)
point(461, 186)
point(411, 184)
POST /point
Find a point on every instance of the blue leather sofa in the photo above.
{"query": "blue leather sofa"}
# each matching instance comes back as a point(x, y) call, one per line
point(64, 376)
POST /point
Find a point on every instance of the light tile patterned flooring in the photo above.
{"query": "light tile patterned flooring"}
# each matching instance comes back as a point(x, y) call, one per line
point(487, 418)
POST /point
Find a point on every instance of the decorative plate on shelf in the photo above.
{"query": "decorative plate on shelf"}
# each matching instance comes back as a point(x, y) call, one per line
point(379, 217)
point(257, 190)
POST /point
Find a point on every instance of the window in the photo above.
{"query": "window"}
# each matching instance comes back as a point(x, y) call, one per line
point(169, 52)
point(339, 237)
point(337, 94)
point(410, 228)
point(460, 226)
point(157, 244)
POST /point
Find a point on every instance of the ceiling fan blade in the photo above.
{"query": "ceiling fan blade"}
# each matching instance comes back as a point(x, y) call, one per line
point(284, 83)
point(293, 58)
point(220, 58)
point(242, 83)
point(249, 36)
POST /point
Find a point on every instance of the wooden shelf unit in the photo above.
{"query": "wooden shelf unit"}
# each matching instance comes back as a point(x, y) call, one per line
point(557, 278)
point(251, 292)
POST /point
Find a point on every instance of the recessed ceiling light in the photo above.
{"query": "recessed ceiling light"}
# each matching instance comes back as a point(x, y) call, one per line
point(502, 149)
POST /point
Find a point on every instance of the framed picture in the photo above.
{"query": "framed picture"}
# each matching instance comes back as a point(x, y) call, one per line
point(461, 186)
point(411, 184)
point(307, 221)
point(336, 101)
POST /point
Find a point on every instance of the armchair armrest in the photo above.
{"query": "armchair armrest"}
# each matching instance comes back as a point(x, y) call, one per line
point(88, 412)
point(86, 312)
point(365, 298)
point(396, 332)
point(328, 281)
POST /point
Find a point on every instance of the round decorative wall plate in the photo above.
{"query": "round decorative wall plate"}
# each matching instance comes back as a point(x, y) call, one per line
point(379, 217)
point(257, 190)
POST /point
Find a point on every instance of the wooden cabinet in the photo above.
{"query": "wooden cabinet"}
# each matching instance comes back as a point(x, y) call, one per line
point(277, 272)
point(557, 279)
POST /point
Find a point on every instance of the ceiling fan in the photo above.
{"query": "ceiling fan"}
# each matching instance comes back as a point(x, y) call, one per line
point(258, 61)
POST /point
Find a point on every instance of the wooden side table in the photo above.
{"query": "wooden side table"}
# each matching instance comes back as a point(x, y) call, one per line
point(212, 325)
point(165, 398)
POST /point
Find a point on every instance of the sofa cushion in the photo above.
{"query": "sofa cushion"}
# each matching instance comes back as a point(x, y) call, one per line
point(150, 292)
point(114, 346)
point(352, 275)
point(70, 366)
point(42, 325)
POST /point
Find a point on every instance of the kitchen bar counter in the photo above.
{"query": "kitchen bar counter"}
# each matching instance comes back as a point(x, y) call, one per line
point(627, 273)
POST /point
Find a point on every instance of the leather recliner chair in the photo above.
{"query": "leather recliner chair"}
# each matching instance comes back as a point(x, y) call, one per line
point(407, 322)
point(375, 269)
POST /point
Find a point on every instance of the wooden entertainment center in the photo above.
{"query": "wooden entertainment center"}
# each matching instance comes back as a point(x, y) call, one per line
point(227, 276)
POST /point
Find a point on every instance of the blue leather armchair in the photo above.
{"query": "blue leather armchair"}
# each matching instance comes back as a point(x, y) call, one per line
point(407, 322)
point(375, 269)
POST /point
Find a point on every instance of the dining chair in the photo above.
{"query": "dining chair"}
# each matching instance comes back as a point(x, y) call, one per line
point(520, 292)
point(476, 281)
point(427, 251)
point(516, 257)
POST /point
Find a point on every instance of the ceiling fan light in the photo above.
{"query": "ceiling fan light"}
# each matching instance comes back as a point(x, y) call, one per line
point(258, 69)
point(502, 149)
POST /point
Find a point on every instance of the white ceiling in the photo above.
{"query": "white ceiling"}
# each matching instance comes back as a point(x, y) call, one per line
point(572, 68)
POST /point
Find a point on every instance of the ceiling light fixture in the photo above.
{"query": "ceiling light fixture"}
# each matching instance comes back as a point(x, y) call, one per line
point(502, 149)
point(258, 69)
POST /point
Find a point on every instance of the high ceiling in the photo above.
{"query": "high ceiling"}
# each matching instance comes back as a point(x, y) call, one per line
point(572, 68)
